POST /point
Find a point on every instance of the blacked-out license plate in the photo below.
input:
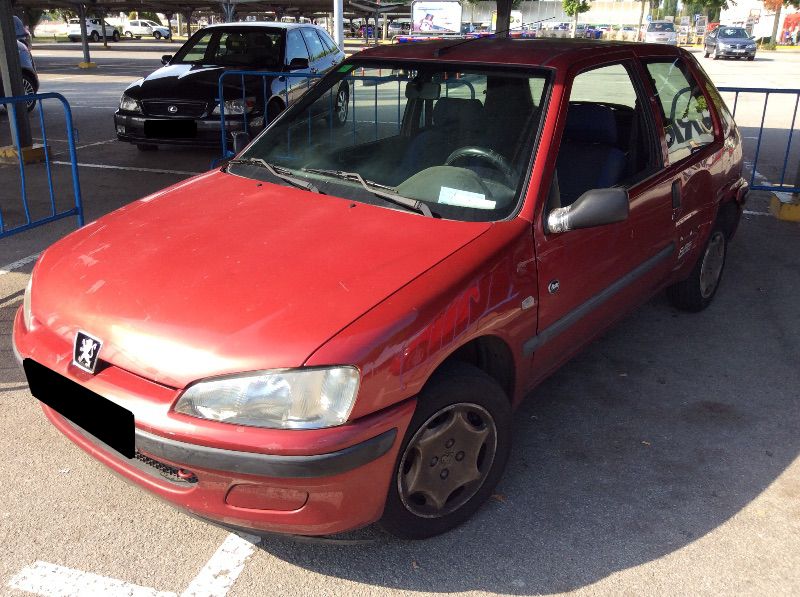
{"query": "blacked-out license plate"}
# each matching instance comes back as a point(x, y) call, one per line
point(170, 129)
point(108, 422)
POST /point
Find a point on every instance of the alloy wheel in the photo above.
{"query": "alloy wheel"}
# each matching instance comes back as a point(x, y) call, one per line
point(713, 261)
point(341, 106)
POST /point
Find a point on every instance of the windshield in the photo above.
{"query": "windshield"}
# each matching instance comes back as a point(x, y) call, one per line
point(458, 139)
point(660, 27)
point(238, 46)
point(733, 33)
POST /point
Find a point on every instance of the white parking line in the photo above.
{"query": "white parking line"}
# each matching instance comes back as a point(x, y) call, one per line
point(221, 571)
point(214, 580)
point(96, 143)
point(7, 269)
point(128, 168)
point(58, 581)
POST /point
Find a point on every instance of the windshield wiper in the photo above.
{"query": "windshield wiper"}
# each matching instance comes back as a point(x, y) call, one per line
point(375, 189)
point(298, 182)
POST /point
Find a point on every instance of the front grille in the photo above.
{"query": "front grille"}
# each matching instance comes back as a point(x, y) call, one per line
point(170, 473)
point(176, 109)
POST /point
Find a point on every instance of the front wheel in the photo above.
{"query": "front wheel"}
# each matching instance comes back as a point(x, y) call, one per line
point(129, 34)
point(452, 456)
point(697, 291)
point(29, 88)
point(95, 36)
point(751, 58)
point(341, 105)
point(157, 35)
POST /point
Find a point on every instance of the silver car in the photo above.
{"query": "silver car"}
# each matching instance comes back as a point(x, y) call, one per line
point(661, 32)
point(729, 42)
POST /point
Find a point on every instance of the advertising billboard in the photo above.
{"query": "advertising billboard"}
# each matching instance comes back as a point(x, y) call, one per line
point(436, 16)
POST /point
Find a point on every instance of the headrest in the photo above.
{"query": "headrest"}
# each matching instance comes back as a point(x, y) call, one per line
point(591, 123)
point(462, 113)
point(424, 91)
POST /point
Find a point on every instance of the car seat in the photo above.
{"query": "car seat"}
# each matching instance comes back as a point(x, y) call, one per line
point(589, 157)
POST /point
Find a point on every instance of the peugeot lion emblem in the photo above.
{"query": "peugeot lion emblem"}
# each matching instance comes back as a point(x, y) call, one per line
point(172, 109)
point(86, 351)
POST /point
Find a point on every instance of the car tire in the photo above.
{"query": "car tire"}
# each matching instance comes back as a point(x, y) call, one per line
point(115, 36)
point(341, 105)
point(146, 147)
point(95, 36)
point(751, 58)
point(462, 424)
point(715, 55)
point(129, 35)
point(156, 35)
point(697, 291)
point(29, 88)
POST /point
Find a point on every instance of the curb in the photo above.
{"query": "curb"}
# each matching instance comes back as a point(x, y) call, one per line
point(787, 211)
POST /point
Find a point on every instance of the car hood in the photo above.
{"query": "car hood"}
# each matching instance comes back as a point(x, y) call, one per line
point(222, 274)
point(185, 81)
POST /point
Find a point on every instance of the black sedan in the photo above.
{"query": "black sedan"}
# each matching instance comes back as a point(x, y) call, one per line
point(730, 42)
point(179, 103)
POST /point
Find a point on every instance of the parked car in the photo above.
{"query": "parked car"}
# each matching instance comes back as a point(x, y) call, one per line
point(21, 31)
point(177, 104)
point(661, 32)
point(94, 30)
point(30, 79)
point(141, 27)
point(335, 327)
point(729, 42)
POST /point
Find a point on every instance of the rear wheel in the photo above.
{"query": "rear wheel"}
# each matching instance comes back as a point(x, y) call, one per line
point(28, 88)
point(95, 36)
point(697, 291)
point(452, 456)
point(129, 35)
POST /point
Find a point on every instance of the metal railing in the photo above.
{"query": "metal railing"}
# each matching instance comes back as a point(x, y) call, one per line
point(12, 105)
point(757, 181)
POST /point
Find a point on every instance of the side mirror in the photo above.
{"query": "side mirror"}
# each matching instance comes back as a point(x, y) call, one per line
point(240, 141)
point(298, 63)
point(596, 207)
point(165, 59)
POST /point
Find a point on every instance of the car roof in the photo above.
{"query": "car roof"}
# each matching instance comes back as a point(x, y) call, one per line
point(273, 24)
point(555, 53)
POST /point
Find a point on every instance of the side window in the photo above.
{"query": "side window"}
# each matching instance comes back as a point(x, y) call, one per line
point(295, 47)
point(687, 118)
point(607, 141)
point(315, 47)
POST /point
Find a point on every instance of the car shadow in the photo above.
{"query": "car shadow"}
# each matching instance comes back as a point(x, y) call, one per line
point(651, 438)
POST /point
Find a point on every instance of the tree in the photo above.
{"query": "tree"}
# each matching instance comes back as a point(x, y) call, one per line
point(573, 8)
point(777, 5)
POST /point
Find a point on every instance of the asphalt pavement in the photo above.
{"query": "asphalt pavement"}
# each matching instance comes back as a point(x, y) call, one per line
point(661, 460)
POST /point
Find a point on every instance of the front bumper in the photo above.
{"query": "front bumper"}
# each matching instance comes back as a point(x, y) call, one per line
point(307, 482)
point(134, 128)
point(736, 53)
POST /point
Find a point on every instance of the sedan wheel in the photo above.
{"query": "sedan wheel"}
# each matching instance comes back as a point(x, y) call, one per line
point(453, 453)
point(157, 35)
point(711, 267)
point(129, 34)
point(95, 36)
point(28, 88)
point(341, 106)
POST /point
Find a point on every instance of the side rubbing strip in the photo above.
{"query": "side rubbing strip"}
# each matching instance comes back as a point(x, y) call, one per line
point(532, 345)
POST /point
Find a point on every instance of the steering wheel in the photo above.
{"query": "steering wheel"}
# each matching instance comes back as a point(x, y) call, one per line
point(494, 159)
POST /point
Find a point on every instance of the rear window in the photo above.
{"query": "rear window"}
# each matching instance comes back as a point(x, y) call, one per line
point(660, 27)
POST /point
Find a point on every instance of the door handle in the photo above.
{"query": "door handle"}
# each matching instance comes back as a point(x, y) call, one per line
point(676, 194)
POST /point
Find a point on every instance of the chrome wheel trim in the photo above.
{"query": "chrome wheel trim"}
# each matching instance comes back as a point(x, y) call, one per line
point(713, 261)
point(447, 460)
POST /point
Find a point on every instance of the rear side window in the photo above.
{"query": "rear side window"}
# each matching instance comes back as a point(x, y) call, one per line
point(660, 27)
point(685, 111)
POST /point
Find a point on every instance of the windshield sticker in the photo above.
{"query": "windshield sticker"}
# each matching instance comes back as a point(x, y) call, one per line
point(450, 196)
point(346, 68)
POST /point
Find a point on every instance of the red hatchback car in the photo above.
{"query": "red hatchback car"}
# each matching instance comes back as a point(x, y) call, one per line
point(335, 327)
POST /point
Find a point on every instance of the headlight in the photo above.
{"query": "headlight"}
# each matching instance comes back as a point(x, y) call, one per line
point(237, 106)
point(278, 399)
point(129, 104)
point(27, 316)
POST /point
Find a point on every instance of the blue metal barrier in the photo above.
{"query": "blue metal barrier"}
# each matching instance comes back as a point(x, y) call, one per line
point(284, 79)
point(781, 186)
point(12, 104)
